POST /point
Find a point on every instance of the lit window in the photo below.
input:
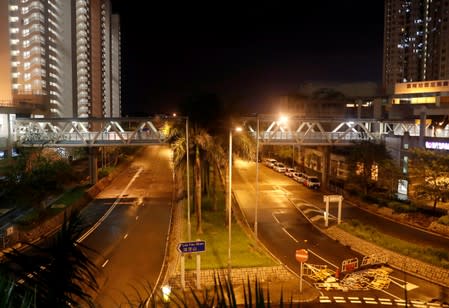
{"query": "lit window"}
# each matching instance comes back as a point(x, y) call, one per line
point(26, 65)
point(374, 172)
point(26, 43)
point(25, 32)
point(405, 165)
point(26, 54)
point(27, 76)
point(27, 87)
point(25, 10)
point(359, 168)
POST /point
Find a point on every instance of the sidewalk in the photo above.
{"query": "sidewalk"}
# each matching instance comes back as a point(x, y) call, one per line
point(410, 265)
point(280, 282)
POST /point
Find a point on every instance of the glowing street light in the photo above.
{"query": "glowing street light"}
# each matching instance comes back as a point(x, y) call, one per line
point(257, 178)
point(189, 228)
point(229, 199)
point(283, 119)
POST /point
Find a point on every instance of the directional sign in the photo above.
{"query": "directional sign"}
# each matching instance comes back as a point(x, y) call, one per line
point(190, 247)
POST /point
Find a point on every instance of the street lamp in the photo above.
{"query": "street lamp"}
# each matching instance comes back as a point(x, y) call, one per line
point(189, 232)
point(229, 203)
point(257, 178)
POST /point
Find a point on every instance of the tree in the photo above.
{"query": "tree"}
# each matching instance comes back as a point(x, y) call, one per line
point(35, 175)
point(365, 160)
point(206, 111)
point(430, 172)
point(59, 274)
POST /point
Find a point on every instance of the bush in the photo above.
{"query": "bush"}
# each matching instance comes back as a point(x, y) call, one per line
point(370, 199)
point(103, 172)
point(401, 207)
point(444, 220)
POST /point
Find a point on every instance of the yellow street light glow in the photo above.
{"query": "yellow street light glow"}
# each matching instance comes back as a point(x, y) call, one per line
point(238, 129)
point(166, 291)
point(283, 119)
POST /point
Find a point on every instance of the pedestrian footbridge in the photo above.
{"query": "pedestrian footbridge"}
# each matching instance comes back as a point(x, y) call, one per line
point(98, 132)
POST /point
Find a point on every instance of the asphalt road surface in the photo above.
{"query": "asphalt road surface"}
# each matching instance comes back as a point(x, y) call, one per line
point(130, 223)
point(283, 229)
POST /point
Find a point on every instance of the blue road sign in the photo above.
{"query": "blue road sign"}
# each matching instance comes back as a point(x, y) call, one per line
point(189, 247)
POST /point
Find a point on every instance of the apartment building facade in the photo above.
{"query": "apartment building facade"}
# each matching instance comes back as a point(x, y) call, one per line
point(416, 47)
point(65, 58)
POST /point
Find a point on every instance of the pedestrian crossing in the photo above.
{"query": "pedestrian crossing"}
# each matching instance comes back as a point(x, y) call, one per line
point(377, 301)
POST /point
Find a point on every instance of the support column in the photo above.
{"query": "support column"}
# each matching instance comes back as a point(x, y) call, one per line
point(9, 141)
point(422, 128)
point(93, 172)
point(326, 167)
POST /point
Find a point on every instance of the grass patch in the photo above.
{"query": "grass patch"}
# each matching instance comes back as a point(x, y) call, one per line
point(35, 216)
point(71, 196)
point(438, 257)
point(245, 251)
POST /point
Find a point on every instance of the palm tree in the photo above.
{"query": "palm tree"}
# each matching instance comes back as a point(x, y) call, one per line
point(11, 296)
point(59, 274)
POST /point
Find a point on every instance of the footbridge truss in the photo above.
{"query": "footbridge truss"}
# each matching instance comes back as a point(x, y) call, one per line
point(322, 132)
point(98, 132)
point(91, 132)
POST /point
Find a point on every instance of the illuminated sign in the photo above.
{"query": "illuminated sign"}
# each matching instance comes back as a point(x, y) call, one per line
point(402, 187)
point(437, 145)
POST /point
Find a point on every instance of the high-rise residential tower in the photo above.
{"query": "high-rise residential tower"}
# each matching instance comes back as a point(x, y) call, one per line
point(416, 44)
point(65, 57)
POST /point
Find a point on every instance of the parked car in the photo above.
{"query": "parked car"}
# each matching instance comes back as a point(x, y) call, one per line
point(312, 182)
point(299, 177)
point(289, 172)
point(269, 162)
point(279, 167)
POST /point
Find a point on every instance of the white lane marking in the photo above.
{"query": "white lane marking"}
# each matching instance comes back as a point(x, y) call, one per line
point(392, 295)
point(368, 298)
point(371, 302)
point(105, 262)
point(291, 236)
point(275, 218)
point(108, 212)
point(406, 285)
point(126, 235)
point(356, 301)
point(318, 256)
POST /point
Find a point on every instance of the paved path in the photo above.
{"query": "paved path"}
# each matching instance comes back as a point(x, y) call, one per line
point(424, 270)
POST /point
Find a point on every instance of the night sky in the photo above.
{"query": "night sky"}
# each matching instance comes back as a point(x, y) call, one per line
point(246, 52)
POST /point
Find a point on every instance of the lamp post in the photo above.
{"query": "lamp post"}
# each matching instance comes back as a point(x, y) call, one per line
point(229, 203)
point(257, 178)
point(189, 232)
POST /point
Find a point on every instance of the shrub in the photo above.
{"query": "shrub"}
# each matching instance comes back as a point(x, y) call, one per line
point(370, 199)
point(103, 172)
point(444, 220)
point(401, 207)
